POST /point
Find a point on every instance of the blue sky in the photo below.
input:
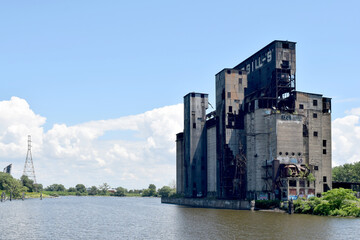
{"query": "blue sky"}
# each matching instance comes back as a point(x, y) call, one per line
point(75, 62)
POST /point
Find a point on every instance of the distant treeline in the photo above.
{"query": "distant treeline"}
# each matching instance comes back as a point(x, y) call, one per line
point(16, 187)
point(349, 172)
point(106, 190)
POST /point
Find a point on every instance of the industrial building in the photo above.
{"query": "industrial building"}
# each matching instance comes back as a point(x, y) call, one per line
point(265, 140)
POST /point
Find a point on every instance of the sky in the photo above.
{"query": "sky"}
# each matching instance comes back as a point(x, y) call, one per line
point(99, 85)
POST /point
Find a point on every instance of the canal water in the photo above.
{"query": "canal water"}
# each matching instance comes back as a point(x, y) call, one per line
point(147, 218)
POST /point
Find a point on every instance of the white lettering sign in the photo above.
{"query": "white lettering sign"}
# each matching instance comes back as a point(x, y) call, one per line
point(259, 62)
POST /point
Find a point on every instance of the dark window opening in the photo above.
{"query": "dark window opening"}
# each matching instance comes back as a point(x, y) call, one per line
point(324, 151)
point(302, 183)
point(229, 94)
point(285, 64)
point(240, 80)
point(228, 71)
point(286, 153)
point(280, 153)
point(324, 179)
point(230, 108)
point(314, 115)
point(318, 195)
point(308, 183)
point(316, 168)
point(285, 45)
point(192, 94)
point(315, 103)
point(202, 95)
point(293, 154)
point(324, 143)
point(305, 131)
point(315, 134)
point(194, 125)
point(301, 106)
point(292, 183)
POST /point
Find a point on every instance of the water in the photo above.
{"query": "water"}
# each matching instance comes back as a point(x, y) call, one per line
point(147, 218)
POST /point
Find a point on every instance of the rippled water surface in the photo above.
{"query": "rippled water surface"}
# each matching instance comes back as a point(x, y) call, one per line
point(147, 218)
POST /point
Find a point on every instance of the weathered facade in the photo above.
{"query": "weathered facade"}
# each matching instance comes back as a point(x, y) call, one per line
point(265, 140)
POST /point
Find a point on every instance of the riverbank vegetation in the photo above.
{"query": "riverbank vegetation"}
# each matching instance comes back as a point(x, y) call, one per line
point(336, 202)
point(16, 188)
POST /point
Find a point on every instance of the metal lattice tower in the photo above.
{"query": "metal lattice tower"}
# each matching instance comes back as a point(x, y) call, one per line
point(29, 169)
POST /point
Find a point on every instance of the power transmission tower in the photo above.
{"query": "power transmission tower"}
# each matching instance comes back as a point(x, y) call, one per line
point(29, 169)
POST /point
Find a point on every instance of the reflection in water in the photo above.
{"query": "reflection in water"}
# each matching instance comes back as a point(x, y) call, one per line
point(147, 218)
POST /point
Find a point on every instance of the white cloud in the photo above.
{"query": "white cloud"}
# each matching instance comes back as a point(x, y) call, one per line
point(345, 137)
point(77, 154)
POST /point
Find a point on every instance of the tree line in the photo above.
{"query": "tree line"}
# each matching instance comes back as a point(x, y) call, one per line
point(105, 190)
point(16, 187)
point(349, 172)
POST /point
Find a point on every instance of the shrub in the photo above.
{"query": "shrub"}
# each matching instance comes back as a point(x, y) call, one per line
point(323, 208)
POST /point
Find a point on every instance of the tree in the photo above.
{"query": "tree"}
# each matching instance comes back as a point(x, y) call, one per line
point(80, 188)
point(337, 196)
point(165, 191)
point(152, 189)
point(104, 188)
point(38, 187)
point(11, 185)
point(347, 173)
point(27, 182)
point(56, 187)
point(120, 192)
point(5, 180)
point(93, 191)
point(71, 189)
point(150, 192)
point(146, 193)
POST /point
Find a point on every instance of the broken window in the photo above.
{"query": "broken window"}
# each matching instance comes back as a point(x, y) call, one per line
point(230, 108)
point(292, 183)
point(229, 94)
point(324, 143)
point(315, 103)
point(194, 125)
point(315, 134)
point(285, 45)
point(314, 115)
point(240, 81)
point(305, 131)
point(302, 183)
point(324, 179)
point(316, 168)
point(301, 106)
point(324, 151)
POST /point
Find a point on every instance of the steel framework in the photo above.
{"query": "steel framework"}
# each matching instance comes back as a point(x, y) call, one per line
point(29, 169)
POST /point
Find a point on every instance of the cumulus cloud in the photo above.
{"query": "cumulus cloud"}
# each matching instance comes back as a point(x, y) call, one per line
point(82, 153)
point(78, 154)
point(345, 136)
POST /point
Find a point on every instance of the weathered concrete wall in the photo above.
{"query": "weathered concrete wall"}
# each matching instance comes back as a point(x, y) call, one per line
point(211, 161)
point(317, 145)
point(195, 105)
point(209, 203)
point(180, 163)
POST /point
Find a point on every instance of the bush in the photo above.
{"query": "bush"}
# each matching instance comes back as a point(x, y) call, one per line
point(323, 208)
